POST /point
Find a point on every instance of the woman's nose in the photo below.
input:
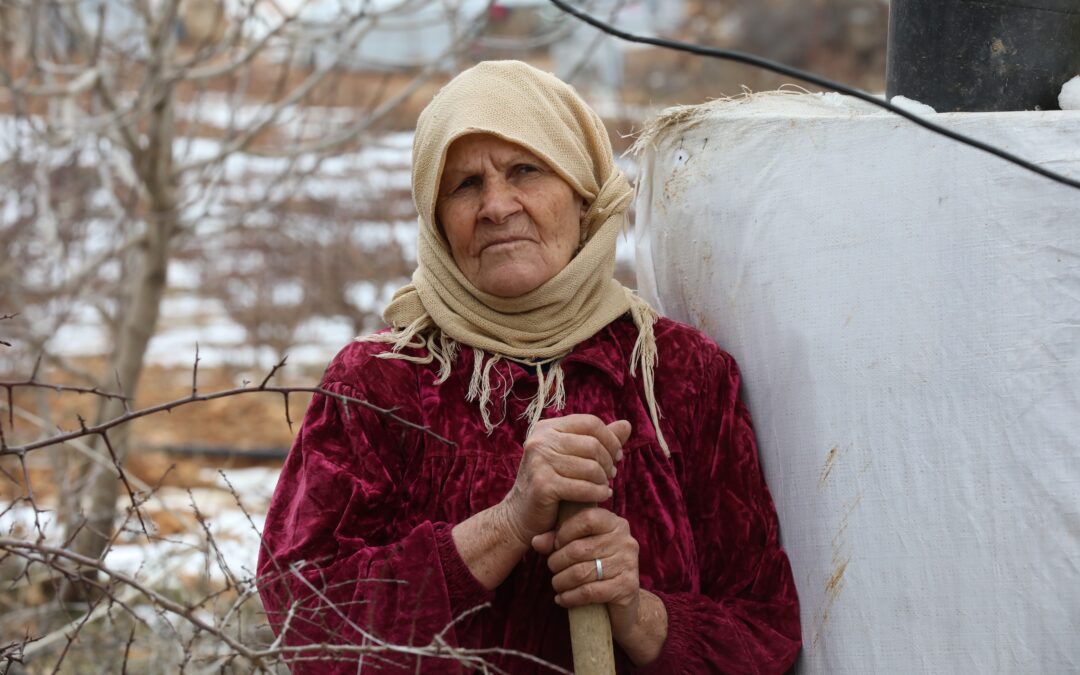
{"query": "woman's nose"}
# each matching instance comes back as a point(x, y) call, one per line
point(498, 201)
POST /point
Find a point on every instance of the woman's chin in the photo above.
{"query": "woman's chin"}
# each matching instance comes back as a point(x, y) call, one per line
point(510, 281)
point(509, 271)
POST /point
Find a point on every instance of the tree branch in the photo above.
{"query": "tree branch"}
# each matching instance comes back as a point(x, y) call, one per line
point(196, 398)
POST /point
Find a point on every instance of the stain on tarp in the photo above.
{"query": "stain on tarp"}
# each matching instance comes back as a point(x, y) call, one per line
point(830, 462)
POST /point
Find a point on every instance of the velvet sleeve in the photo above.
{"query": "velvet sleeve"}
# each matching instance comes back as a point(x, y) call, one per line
point(340, 566)
point(746, 617)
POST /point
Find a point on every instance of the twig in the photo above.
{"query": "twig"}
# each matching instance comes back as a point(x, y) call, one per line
point(51, 556)
point(195, 372)
point(59, 388)
point(171, 405)
point(99, 611)
point(135, 504)
point(155, 597)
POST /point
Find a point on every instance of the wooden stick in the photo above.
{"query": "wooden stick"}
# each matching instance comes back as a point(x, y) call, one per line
point(590, 626)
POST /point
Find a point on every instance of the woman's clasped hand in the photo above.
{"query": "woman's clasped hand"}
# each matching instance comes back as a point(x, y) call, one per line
point(570, 458)
point(573, 459)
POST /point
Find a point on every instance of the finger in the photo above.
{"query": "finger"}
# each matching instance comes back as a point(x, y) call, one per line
point(544, 544)
point(577, 423)
point(591, 425)
point(577, 490)
point(585, 572)
point(621, 429)
point(587, 549)
point(579, 468)
point(615, 544)
point(586, 447)
point(586, 523)
point(596, 593)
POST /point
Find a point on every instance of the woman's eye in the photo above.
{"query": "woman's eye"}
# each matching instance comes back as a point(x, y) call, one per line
point(526, 168)
point(467, 183)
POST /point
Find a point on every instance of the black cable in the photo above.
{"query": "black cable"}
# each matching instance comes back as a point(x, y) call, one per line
point(825, 83)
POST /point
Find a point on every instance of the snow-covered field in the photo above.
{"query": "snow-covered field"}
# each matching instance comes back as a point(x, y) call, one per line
point(241, 191)
point(176, 558)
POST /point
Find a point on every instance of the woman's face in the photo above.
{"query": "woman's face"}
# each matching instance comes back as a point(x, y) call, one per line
point(512, 223)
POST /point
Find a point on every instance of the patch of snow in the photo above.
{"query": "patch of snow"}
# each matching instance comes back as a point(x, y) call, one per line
point(363, 295)
point(287, 293)
point(12, 209)
point(406, 235)
point(325, 330)
point(79, 339)
point(218, 341)
point(186, 306)
point(372, 235)
point(184, 275)
point(835, 99)
point(171, 560)
point(21, 521)
point(912, 106)
point(167, 560)
point(254, 485)
point(1069, 98)
point(315, 354)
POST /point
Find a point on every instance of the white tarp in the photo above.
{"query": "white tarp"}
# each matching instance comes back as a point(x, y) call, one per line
point(906, 312)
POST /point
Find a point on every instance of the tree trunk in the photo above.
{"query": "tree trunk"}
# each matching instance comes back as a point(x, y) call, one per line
point(91, 530)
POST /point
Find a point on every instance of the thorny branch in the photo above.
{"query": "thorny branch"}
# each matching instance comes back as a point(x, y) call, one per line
point(126, 591)
point(69, 564)
point(195, 397)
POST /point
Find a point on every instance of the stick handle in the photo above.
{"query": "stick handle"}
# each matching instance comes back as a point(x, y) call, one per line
point(590, 626)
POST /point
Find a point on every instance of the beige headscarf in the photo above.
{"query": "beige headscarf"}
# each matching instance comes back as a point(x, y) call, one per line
point(441, 309)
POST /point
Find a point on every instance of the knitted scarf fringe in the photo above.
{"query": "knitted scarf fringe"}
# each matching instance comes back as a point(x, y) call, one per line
point(423, 335)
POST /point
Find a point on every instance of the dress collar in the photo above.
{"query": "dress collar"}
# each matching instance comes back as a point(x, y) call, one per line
point(604, 352)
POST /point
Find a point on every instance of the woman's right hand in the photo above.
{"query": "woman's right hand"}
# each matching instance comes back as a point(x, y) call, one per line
point(569, 458)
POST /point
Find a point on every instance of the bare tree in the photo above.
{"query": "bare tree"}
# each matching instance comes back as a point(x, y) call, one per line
point(146, 132)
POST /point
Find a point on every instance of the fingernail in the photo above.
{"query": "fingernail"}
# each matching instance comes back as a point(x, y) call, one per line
point(614, 472)
point(618, 456)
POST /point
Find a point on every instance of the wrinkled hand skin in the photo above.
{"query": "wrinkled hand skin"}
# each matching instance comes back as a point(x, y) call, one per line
point(573, 550)
point(572, 459)
point(638, 618)
point(569, 458)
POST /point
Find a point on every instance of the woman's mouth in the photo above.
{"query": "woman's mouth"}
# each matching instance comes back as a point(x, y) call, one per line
point(503, 244)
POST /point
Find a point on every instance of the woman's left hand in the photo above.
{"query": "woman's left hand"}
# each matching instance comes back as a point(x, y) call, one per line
point(573, 549)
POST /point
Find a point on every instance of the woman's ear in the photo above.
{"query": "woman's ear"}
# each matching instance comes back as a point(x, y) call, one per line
point(584, 234)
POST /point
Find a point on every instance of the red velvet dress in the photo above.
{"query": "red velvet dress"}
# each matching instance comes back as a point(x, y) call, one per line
point(357, 544)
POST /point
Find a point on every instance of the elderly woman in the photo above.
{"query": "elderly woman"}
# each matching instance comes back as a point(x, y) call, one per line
point(552, 383)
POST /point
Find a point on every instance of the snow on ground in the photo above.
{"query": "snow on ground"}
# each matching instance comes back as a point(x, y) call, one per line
point(1069, 98)
point(173, 559)
point(911, 105)
point(242, 187)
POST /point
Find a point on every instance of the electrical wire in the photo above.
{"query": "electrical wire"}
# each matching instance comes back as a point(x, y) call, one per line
point(818, 80)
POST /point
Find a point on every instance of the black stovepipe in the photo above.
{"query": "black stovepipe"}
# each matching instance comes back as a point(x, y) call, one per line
point(982, 55)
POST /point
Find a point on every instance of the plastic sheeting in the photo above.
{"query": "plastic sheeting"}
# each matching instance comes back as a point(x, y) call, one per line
point(906, 312)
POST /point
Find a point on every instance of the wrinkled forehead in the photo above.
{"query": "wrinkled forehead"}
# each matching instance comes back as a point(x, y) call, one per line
point(467, 152)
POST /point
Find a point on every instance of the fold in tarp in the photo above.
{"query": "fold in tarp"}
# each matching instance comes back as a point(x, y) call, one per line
point(906, 313)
